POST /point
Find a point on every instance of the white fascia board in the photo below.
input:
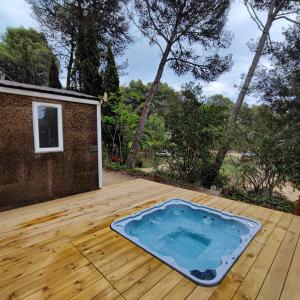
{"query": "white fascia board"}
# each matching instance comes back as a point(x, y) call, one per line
point(99, 142)
point(47, 96)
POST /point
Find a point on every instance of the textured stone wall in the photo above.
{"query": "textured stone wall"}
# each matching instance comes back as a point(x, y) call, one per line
point(27, 177)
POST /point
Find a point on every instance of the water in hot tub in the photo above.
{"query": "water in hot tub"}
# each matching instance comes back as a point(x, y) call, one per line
point(194, 238)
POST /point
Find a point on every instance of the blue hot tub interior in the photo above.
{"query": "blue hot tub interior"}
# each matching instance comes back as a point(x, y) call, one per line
point(200, 242)
point(194, 238)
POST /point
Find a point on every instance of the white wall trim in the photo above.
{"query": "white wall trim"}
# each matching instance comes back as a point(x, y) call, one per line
point(36, 136)
point(99, 142)
point(46, 95)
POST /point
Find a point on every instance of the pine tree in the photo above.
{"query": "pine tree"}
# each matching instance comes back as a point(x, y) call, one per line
point(110, 77)
point(177, 27)
point(54, 81)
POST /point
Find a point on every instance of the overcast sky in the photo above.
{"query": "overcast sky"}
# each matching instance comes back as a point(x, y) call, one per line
point(143, 59)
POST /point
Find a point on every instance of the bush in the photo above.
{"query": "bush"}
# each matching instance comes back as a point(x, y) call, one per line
point(114, 166)
point(195, 128)
point(276, 201)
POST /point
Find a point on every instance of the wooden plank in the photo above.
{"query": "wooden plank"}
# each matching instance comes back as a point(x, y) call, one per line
point(92, 291)
point(53, 262)
point(235, 277)
point(134, 276)
point(110, 253)
point(252, 282)
point(163, 286)
point(274, 281)
point(201, 293)
point(79, 278)
point(35, 281)
point(121, 260)
point(291, 286)
point(81, 285)
point(109, 294)
point(146, 283)
point(181, 290)
point(127, 268)
point(295, 225)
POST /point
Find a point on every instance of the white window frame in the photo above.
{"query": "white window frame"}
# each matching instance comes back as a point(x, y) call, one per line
point(36, 135)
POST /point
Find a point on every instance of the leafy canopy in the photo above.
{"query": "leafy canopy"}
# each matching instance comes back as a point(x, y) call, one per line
point(177, 26)
point(195, 128)
point(25, 56)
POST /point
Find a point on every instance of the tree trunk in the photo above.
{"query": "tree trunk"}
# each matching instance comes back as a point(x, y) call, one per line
point(70, 66)
point(143, 119)
point(228, 136)
point(297, 208)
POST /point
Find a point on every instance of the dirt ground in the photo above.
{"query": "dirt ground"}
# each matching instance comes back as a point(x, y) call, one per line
point(291, 193)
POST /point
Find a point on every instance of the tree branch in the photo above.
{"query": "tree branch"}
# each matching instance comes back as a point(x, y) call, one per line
point(154, 24)
point(253, 15)
point(288, 19)
point(144, 32)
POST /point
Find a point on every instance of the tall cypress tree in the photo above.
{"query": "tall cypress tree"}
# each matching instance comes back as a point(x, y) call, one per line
point(111, 86)
point(54, 74)
point(110, 77)
point(86, 74)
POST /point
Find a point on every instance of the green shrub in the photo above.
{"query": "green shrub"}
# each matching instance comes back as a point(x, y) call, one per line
point(276, 201)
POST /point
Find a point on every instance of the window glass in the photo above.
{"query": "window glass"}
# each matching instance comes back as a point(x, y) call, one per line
point(48, 126)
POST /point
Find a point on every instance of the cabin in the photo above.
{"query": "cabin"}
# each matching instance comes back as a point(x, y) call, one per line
point(50, 143)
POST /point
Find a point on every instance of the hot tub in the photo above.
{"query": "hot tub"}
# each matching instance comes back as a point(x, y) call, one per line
point(200, 242)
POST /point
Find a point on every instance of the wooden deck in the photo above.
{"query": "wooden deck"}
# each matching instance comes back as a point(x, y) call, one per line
point(64, 249)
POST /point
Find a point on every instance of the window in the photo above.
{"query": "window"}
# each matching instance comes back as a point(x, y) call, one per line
point(47, 127)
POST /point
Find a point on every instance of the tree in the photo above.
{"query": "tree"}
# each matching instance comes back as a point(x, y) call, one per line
point(54, 75)
point(25, 56)
point(277, 9)
point(135, 94)
point(110, 76)
point(176, 27)
point(112, 129)
point(261, 133)
point(86, 76)
point(279, 86)
point(61, 20)
point(195, 128)
point(220, 100)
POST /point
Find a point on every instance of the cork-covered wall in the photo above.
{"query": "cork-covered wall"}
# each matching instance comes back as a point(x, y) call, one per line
point(27, 177)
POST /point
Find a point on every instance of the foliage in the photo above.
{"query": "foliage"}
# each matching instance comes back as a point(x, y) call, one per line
point(185, 23)
point(275, 201)
point(279, 86)
point(54, 81)
point(110, 76)
point(120, 119)
point(25, 56)
point(118, 128)
point(61, 21)
point(195, 128)
point(265, 164)
point(220, 100)
point(135, 95)
point(276, 9)
point(86, 76)
point(177, 28)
